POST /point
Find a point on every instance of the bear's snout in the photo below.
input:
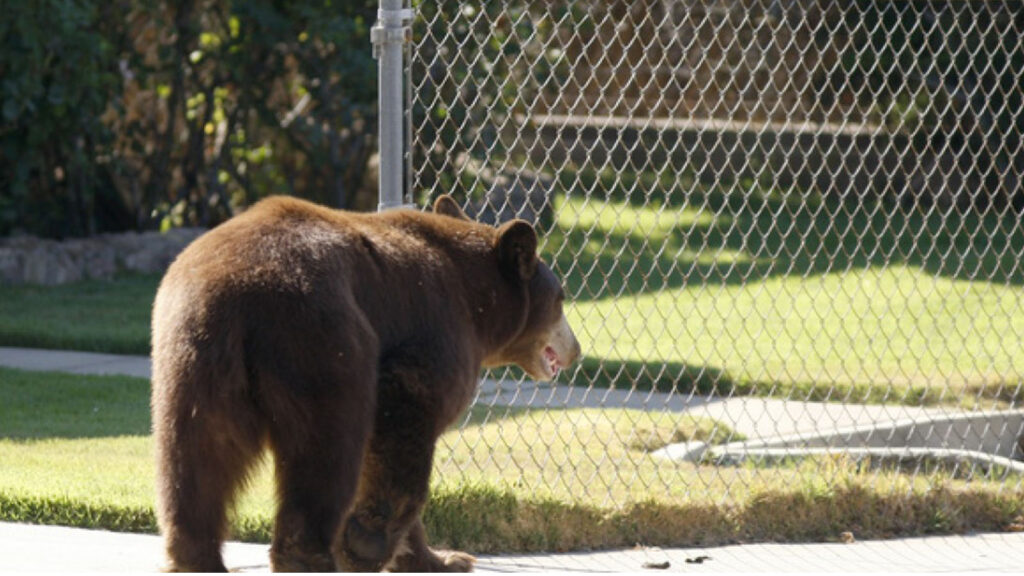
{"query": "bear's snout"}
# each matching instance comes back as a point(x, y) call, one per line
point(564, 344)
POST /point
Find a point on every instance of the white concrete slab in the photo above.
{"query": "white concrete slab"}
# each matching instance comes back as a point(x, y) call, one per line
point(754, 417)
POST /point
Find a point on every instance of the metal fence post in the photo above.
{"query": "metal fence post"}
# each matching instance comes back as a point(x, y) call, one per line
point(389, 35)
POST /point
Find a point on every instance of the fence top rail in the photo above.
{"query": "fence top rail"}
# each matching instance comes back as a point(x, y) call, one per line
point(701, 124)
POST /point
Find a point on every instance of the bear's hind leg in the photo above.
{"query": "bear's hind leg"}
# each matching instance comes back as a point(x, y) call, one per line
point(384, 529)
point(202, 459)
point(317, 475)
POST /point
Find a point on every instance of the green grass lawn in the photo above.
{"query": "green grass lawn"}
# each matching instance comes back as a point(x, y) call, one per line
point(76, 451)
point(815, 301)
point(95, 316)
point(762, 296)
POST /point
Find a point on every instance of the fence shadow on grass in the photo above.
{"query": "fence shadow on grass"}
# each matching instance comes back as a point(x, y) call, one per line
point(677, 377)
point(628, 245)
point(635, 375)
point(753, 235)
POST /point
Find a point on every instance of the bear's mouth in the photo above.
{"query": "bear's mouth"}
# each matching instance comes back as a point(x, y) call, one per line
point(552, 362)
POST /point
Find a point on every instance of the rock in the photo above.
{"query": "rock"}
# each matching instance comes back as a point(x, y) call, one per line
point(30, 260)
point(11, 264)
point(524, 195)
point(48, 264)
point(96, 259)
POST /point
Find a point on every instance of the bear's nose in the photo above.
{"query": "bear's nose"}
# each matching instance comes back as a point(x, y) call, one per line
point(576, 351)
point(566, 343)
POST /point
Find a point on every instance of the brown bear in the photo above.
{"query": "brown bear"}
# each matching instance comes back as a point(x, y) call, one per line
point(345, 343)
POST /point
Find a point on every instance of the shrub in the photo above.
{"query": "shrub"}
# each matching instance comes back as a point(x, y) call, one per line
point(139, 113)
point(58, 74)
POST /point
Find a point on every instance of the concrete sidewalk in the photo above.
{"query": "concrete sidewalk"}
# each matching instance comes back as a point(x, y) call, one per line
point(75, 362)
point(25, 548)
point(50, 549)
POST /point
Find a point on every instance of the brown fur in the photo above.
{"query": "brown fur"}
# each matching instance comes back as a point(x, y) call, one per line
point(346, 343)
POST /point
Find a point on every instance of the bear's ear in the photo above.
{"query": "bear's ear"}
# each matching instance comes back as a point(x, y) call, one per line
point(517, 249)
point(447, 206)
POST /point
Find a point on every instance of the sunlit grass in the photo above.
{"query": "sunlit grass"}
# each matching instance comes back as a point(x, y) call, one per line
point(509, 480)
point(787, 302)
point(908, 334)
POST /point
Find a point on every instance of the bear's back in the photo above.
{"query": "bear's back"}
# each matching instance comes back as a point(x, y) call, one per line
point(287, 243)
point(284, 253)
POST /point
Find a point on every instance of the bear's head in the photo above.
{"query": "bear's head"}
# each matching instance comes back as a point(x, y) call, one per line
point(546, 342)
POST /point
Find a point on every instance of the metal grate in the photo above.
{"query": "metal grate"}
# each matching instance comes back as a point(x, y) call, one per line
point(787, 228)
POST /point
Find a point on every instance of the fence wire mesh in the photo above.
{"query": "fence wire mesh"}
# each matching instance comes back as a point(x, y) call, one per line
point(790, 233)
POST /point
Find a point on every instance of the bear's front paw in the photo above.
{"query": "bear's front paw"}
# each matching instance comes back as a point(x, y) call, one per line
point(427, 560)
point(457, 561)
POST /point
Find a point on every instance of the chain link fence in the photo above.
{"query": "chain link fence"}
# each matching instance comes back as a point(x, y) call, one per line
point(790, 232)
